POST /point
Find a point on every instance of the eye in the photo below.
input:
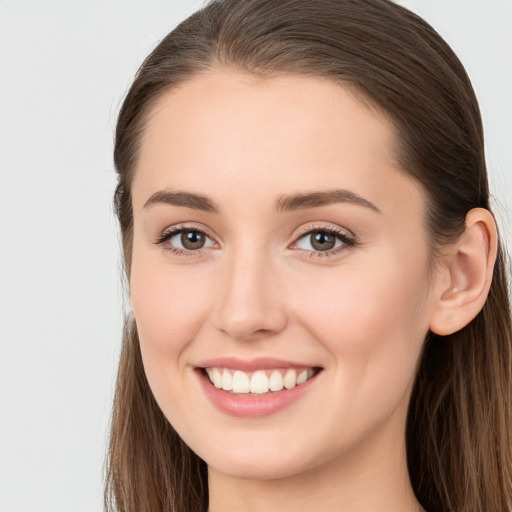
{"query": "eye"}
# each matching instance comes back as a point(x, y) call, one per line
point(182, 240)
point(324, 240)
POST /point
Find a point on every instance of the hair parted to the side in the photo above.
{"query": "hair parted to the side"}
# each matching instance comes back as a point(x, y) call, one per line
point(459, 431)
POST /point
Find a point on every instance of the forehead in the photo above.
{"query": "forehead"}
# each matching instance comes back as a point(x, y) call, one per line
point(228, 130)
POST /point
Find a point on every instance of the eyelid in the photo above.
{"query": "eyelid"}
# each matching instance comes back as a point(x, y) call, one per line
point(311, 228)
point(347, 238)
point(172, 231)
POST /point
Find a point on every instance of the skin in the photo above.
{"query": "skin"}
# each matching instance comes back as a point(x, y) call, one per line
point(259, 289)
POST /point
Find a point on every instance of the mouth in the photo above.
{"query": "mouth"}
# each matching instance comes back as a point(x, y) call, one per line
point(259, 382)
point(256, 388)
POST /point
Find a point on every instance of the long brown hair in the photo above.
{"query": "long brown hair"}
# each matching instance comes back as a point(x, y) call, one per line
point(459, 424)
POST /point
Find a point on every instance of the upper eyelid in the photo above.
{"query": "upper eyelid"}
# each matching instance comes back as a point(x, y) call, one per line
point(347, 239)
point(172, 231)
point(334, 229)
point(323, 227)
point(302, 231)
point(177, 228)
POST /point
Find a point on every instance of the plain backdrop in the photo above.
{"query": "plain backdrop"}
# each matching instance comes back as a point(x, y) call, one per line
point(64, 69)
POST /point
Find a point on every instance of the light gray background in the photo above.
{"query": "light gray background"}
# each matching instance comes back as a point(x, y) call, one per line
point(64, 68)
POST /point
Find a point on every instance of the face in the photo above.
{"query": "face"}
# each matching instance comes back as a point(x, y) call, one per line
point(280, 277)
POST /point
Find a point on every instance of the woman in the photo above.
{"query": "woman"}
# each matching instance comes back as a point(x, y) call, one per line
point(320, 309)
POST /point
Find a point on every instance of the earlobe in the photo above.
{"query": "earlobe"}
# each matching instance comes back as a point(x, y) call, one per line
point(467, 274)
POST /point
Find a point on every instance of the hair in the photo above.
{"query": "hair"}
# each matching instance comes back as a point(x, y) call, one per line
point(458, 432)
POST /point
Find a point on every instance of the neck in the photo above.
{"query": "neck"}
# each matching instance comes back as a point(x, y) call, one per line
point(370, 477)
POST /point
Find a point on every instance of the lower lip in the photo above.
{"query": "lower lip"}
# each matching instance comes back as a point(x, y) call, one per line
point(253, 406)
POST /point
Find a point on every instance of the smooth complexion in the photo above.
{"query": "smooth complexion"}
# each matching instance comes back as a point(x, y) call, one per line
point(222, 155)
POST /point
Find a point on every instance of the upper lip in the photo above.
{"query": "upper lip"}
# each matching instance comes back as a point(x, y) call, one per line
point(251, 365)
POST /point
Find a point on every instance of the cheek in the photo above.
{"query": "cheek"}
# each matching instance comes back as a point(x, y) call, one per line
point(170, 305)
point(169, 308)
point(373, 324)
point(372, 317)
point(165, 298)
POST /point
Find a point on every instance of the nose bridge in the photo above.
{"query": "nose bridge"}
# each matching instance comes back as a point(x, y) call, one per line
point(250, 304)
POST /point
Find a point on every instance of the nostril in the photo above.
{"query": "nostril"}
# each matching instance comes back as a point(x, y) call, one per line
point(254, 326)
point(243, 334)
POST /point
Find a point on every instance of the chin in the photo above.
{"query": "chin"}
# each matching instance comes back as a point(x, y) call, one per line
point(259, 469)
point(260, 458)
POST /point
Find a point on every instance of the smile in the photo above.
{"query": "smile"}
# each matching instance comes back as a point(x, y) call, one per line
point(256, 388)
point(259, 382)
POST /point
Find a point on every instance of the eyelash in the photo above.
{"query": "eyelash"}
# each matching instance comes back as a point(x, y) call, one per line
point(169, 233)
point(348, 241)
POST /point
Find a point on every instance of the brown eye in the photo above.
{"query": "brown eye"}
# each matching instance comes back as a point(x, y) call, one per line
point(322, 241)
point(185, 241)
point(328, 241)
point(192, 240)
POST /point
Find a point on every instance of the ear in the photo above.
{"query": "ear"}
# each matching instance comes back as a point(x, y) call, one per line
point(465, 274)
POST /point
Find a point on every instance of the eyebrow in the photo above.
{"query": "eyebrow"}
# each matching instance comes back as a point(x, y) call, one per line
point(322, 198)
point(187, 199)
point(284, 204)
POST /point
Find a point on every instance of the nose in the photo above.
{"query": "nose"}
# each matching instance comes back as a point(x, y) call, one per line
point(251, 304)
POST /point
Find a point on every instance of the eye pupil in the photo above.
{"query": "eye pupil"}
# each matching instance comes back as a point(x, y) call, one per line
point(192, 240)
point(322, 241)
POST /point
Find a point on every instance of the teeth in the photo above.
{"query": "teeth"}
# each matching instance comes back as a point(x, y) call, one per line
point(302, 377)
point(259, 382)
point(290, 379)
point(227, 381)
point(216, 378)
point(240, 382)
point(276, 381)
